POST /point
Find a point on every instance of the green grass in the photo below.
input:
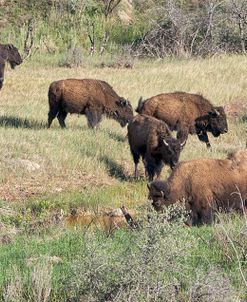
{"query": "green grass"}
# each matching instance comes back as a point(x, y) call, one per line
point(43, 171)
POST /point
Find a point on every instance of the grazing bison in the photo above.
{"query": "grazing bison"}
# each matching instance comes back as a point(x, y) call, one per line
point(151, 139)
point(206, 185)
point(8, 53)
point(187, 114)
point(90, 97)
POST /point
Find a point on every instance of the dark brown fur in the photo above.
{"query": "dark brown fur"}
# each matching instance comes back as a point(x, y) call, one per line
point(90, 97)
point(205, 185)
point(186, 113)
point(8, 53)
point(151, 139)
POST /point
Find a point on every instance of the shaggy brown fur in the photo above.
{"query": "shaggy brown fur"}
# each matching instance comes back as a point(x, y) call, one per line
point(90, 97)
point(151, 139)
point(205, 185)
point(186, 113)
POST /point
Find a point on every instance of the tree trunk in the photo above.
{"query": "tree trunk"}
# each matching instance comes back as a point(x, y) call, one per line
point(241, 32)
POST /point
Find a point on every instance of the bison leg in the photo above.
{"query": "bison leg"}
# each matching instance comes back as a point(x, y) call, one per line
point(159, 167)
point(205, 216)
point(136, 158)
point(150, 168)
point(203, 137)
point(61, 118)
point(52, 114)
point(93, 117)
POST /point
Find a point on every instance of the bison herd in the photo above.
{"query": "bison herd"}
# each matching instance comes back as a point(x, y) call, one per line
point(205, 185)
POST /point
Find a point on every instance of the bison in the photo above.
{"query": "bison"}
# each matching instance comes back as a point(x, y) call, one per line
point(151, 139)
point(87, 96)
point(8, 53)
point(205, 185)
point(187, 114)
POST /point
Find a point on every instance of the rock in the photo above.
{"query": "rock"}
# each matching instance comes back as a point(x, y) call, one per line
point(29, 165)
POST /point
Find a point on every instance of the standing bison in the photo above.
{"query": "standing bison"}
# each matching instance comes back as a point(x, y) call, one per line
point(151, 139)
point(187, 114)
point(205, 185)
point(8, 53)
point(93, 98)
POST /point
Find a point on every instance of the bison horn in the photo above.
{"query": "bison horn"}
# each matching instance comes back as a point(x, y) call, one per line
point(10, 46)
point(183, 143)
point(149, 187)
point(165, 142)
point(162, 194)
point(217, 112)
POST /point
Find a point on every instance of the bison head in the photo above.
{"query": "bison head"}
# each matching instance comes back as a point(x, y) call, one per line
point(214, 122)
point(170, 149)
point(167, 151)
point(217, 121)
point(158, 193)
point(123, 111)
point(12, 55)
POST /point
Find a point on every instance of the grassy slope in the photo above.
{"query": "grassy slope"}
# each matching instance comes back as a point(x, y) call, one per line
point(72, 158)
point(81, 167)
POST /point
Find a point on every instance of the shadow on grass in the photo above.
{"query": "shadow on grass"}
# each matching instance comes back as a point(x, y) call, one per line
point(115, 136)
point(114, 169)
point(18, 122)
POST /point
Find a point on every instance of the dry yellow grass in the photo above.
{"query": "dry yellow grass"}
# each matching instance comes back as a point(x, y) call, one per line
point(35, 160)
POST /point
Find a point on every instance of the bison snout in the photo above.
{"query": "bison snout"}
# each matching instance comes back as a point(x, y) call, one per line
point(225, 130)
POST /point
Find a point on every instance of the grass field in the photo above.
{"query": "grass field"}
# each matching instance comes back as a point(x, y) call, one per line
point(43, 171)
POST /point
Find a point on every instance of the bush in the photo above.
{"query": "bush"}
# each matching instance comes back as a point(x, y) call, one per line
point(72, 59)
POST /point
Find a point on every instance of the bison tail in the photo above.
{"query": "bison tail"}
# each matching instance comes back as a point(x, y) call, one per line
point(140, 105)
point(54, 95)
